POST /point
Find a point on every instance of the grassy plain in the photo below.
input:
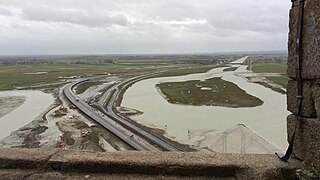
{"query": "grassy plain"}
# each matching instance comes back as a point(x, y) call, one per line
point(273, 68)
point(188, 70)
point(12, 76)
point(282, 80)
point(212, 92)
point(269, 68)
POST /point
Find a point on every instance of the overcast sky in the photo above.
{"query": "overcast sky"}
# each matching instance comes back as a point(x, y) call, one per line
point(142, 26)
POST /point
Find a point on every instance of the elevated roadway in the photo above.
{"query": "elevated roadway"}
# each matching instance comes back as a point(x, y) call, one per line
point(112, 94)
point(130, 138)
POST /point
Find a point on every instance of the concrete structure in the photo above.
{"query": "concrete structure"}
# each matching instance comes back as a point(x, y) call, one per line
point(307, 141)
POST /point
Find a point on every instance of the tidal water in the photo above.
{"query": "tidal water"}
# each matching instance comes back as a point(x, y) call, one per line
point(267, 120)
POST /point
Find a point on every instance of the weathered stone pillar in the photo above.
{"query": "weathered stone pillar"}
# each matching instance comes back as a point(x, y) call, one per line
point(307, 142)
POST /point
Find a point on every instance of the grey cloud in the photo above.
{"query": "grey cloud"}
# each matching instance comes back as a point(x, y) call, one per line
point(19, 26)
point(5, 12)
point(74, 16)
point(249, 15)
point(143, 26)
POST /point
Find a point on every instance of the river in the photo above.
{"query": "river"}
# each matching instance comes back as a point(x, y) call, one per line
point(267, 120)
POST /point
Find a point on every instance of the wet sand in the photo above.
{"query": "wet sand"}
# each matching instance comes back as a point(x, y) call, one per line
point(268, 120)
point(35, 103)
point(10, 103)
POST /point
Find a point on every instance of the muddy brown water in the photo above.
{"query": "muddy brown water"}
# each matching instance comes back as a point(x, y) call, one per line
point(267, 120)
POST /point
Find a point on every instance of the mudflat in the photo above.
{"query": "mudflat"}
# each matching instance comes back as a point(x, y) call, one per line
point(10, 103)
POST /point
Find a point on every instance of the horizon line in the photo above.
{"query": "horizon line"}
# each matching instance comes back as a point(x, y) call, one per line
point(155, 54)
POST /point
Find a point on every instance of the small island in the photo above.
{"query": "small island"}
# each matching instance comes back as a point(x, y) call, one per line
point(211, 92)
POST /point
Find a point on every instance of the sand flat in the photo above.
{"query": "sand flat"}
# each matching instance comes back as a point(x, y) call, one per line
point(10, 103)
point(35, 103)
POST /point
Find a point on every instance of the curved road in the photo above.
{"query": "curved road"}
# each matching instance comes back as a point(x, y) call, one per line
point(127, 136)
point(109, 111)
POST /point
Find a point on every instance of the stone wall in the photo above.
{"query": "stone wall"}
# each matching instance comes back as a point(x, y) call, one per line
point(307, 142)
point(58, 164)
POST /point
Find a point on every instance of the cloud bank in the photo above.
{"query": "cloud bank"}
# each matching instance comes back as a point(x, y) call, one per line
point(142, 26)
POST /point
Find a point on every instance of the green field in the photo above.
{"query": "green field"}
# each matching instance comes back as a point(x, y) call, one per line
point(273, 68)
point(282, 80)
point(12, 76)
point(219, 93)
point(269, 68)
point(189, 70)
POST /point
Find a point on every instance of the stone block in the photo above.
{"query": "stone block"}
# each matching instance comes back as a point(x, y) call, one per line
point(308, 108)
point(316, 97)
point(166, 164)
point(74, 164)
point(307, 140)
point(25, 158)
point(310, 40)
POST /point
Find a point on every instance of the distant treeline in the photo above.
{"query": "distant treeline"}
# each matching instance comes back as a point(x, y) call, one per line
point(134, 59)
point(26, 60)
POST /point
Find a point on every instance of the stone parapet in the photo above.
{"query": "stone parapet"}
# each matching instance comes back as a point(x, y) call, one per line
point(48, 163)
point(307, 140)
point(310, 40)
point(311, 98)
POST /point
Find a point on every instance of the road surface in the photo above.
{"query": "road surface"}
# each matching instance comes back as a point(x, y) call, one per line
point(109, 111)
point(239, 61)
point(130, 138)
